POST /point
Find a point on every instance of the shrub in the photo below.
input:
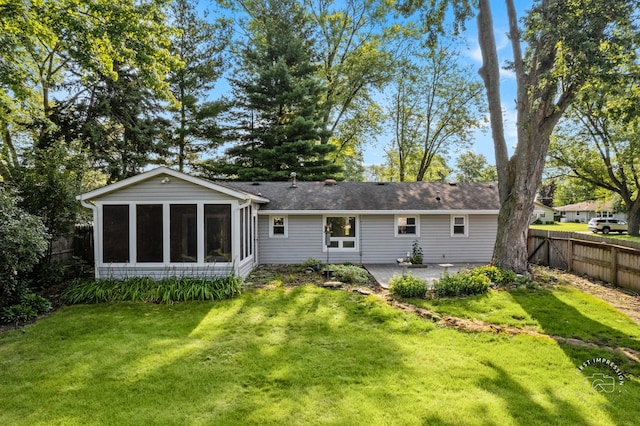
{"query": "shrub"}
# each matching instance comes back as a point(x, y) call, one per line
point(145, 289)
point(38, 303)
point(417, 255)
point(496, 275)
point(18, 313)
point(407, 286)
point(312, 263)
point(350, 274)
point(30, 306)
point(47, 275)
point(462, 284)
point(23, 241)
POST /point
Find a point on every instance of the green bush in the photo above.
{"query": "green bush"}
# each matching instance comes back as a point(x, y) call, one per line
point(47, 275)
point(417, 254)
point(462, 284)
point(18, 313)
point(23, 241)
point(407, 286)
point(30, 306)
point(312, 263)
point(38, 303)
point(350, 274)
point(496, 275)
point(145, 289)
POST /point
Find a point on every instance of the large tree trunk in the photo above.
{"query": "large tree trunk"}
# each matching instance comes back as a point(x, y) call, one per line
point(520, 175)
point(633, 218)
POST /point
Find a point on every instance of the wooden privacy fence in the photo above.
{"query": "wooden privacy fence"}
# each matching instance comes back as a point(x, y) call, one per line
point(79, 245)
point(607, 259)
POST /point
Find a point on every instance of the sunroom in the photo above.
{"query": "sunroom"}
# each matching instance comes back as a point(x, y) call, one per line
point(165, 223)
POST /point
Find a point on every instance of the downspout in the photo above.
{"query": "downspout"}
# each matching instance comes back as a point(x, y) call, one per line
point(96, 241)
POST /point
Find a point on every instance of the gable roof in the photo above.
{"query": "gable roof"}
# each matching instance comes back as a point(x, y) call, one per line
point(236, 193)
point(372, 196)
point(587, 206)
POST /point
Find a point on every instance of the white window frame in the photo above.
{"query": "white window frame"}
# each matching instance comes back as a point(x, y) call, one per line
point(272, 234)
point(397, 225)
point(341, 240)
point(466, 225)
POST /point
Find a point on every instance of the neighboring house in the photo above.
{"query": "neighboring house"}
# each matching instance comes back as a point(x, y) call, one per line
point(542, 213)
point(582, 212)
point(164, 223)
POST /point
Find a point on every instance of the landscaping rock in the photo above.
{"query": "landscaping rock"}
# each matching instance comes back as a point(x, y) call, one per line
point(331, 284)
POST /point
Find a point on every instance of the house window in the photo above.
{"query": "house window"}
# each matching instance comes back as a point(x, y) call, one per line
point(183, 238)
point(149, 233)
point(343, 232)
point(217, 231)
point(115, 234)
point(279, 227)
point(407, 226)
point(459, 226)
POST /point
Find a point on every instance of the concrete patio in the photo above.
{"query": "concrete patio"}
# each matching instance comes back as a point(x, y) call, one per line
point(384, 272)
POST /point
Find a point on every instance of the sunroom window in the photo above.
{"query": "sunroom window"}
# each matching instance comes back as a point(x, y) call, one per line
point(115, 231)
point(149, 233)
point(217, 230)
point(183, 239)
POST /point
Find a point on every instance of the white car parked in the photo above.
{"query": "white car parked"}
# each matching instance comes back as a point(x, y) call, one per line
point(606, 225)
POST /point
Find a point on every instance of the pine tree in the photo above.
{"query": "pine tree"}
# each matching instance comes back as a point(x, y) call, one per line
point(278, 97)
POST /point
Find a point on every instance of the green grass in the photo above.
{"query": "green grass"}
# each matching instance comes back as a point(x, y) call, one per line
point(301, 356)
point(562, 311)
point(562, 227)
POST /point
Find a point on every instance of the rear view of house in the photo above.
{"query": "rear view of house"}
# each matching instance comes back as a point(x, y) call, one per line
point(164, 223)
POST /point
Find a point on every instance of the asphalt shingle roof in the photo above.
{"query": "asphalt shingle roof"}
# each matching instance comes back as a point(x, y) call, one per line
point(587, 206)
point(363, 196)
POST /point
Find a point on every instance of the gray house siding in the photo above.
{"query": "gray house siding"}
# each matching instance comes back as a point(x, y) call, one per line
point(379, 245)
point(440, 247)
point(161, 271)
point(377, 240)
point(246, 266)
point(304, 241)
point(175, 190)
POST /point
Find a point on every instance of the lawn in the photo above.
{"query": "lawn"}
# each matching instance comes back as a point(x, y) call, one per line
point(307, 355)
point(562, 227)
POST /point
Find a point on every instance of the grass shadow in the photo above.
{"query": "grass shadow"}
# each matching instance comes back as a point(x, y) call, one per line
point(568, 318)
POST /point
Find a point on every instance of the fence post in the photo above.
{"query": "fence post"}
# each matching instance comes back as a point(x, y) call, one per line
point(569, 254)
point(614, 266)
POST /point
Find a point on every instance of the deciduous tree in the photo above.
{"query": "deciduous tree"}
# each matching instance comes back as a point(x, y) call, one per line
point(436, 105)
point(599, 147)
point(564, 43)
point(473, 167)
